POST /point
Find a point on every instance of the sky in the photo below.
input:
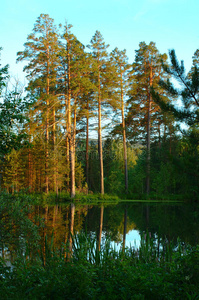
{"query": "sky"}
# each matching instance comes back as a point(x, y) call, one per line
point(171, 24)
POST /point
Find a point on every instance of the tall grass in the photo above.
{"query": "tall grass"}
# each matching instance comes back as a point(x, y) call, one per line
point(156, 270)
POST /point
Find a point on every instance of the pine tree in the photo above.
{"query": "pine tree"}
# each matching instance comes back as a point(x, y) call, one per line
point(41, 51)
point(120, 62)
point(74, 83)
point(101, 78)
point(146, 73)
point(189, 91)
point(3, 75)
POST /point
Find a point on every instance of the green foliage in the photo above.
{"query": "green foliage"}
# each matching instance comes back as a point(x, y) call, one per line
point(114, 165)
point(13, 171)
point(18, 232)
point(137, 175)
point(12, 116)
point(66, 86)
point(108, 274)
point(3, 76)
point(188, 93)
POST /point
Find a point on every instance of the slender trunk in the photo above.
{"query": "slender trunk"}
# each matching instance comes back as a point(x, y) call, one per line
point(100, 139)
point(47, 123)
point(87, 144)
point(125, 227)
point(71, 230)
point(148, 147)
point(29, 171)
point(124, 139)
point(74, 125)
point(67, 145)
point(72, 165)
point(67, 129)
point(149, 135)
point(54, 155)
point(159, 136)
point(47, 143)
point(100, 227)
point(72, 156)
point(70, 134)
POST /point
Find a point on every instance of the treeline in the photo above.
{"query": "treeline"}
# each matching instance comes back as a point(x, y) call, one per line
point(90, 121)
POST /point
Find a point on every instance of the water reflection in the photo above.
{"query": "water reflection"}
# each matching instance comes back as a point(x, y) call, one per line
point(125, 227)
point(122, 223)
point(100, 227)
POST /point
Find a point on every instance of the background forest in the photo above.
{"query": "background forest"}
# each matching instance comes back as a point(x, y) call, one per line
point(88, 121)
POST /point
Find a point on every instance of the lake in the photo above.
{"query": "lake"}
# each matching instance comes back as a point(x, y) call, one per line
point(171, 221)
point(121, 223)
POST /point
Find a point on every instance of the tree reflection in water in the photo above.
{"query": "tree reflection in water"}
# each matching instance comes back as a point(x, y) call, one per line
point(62, 221)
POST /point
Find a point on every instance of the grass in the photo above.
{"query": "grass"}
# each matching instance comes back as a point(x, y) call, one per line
point(154, 271)
point(157, 270)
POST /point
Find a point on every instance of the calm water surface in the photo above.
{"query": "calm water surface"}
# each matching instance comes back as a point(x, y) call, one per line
point(122, 223)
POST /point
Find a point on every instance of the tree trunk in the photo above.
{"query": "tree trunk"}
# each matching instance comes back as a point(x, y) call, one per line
point(100, 140)
point(148, 148)
point(87, 144)
point(100, 227)
point(125, 227)
point(47, 144)
point(54, 156)
point(29, 171)
point(149, 135)
point(71, 230)
point(67, 148)
point(47, 122)
point(124, 142)
point(70, 134)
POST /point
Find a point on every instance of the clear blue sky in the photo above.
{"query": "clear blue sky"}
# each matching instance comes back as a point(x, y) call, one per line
point(123, 24)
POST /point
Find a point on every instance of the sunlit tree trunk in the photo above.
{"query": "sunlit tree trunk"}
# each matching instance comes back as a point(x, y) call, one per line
point(149, 135)
point(87, 144)
point(70, 131)
point(120, 67)
point(100, 139)
point(71, 229)
point(124, 140)
point(100, 227)
point(54, 154)
point(47, 122)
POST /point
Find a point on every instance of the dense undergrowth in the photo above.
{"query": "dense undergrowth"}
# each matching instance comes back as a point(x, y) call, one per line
point(81, 198)
point(158, 269)
point(150, 272)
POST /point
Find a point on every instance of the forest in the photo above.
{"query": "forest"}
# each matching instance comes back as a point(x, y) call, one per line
point(88, 121)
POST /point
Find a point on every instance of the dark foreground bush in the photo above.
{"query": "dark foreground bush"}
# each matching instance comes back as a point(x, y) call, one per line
point(152, 272)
